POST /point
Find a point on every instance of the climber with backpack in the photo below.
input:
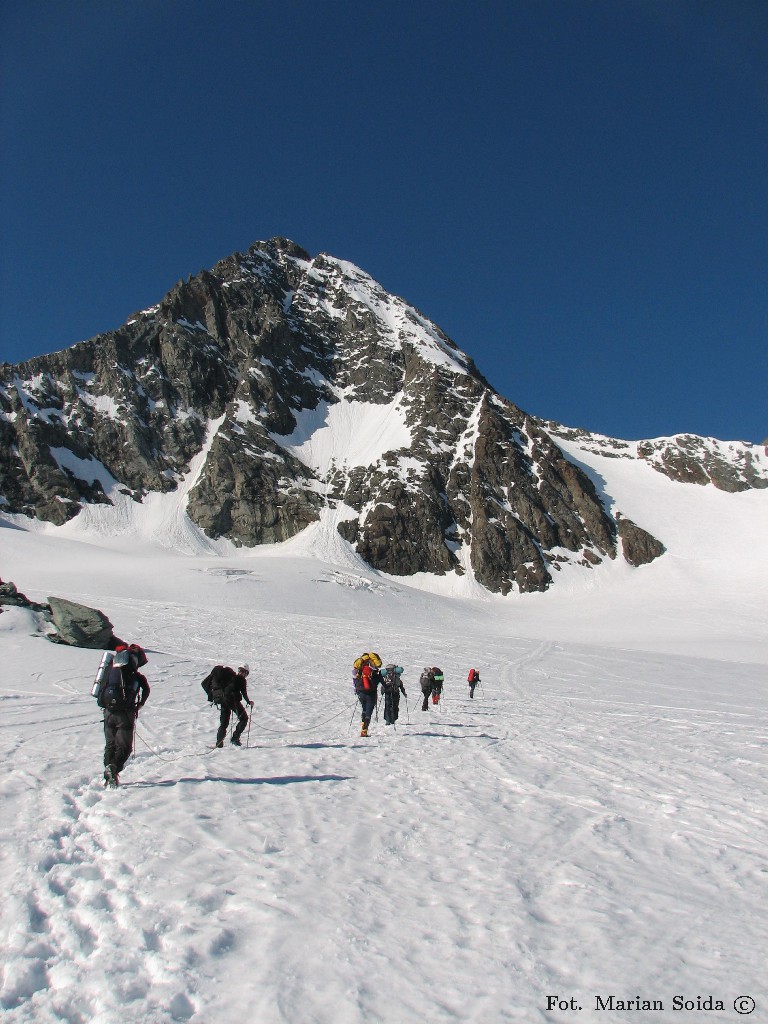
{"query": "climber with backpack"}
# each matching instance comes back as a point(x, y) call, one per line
point(437, 684)
point(121, 691)
point(473, 679)
point(392, 687)
point(426, 682)
point(366, 676)
point(227, 689)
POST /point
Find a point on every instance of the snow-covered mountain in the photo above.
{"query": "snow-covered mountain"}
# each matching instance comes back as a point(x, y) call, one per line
point(277, 391)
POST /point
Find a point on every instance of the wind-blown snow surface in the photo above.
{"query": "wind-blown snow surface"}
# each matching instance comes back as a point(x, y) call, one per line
point(591, 825)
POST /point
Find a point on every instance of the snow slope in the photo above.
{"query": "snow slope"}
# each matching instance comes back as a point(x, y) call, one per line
point(593, 824)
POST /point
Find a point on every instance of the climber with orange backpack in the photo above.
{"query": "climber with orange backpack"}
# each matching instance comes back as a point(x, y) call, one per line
point(473, 679)
point(366, 676)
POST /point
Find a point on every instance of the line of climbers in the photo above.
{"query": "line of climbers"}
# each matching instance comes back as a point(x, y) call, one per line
point(121, 691)
point(368, 674)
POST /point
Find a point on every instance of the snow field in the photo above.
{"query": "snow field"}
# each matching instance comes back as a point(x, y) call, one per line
point(594, 821)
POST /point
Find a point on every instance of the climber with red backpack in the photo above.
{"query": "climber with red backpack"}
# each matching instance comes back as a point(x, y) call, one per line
point(473, 679)
point(366, 676)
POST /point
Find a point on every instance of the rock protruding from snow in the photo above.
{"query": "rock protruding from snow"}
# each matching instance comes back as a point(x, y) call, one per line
point(638, 546)
point(79, 625)
point(12, 597)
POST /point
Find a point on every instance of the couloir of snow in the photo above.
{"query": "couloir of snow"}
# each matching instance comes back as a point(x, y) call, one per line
point(592, 824)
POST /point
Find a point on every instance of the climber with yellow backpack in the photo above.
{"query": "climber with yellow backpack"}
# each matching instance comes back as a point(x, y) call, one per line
point(366, 676)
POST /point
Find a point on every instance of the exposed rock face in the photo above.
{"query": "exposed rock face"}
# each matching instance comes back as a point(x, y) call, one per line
point(276, 390)
point(638, 545)
point(687, 458)
point(700, 460)
point(79, 625)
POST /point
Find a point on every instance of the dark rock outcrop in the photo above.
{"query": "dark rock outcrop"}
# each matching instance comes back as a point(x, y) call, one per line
point(11, 597)
point(700, 460)
point(638, 546)
point(686, 458)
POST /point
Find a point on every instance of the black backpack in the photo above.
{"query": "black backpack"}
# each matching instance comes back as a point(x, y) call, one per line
point(216, 683)
point(120, 688)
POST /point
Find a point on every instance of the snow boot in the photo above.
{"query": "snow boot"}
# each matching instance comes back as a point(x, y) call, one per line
point(236, 742)
point(110, 778)
point(219, 743)
point(364, 730)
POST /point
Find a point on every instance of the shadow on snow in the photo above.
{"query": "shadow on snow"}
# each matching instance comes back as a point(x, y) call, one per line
point(277, 780)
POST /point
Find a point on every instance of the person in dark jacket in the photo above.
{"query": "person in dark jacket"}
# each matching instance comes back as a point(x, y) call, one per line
point(228, 689)
point(366, 681)
point(125, 692)
point(426, 682)
point(392, 687)
point(437, 684)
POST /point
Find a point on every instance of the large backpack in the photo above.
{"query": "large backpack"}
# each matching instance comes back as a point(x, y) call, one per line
point(108, 689)
point(120, 687)
point(392, 674)
point(371, 657)
point(216, 683)
point(207, 685)
point(474, 676)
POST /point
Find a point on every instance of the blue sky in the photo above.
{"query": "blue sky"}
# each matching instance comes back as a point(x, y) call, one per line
point(575, 190)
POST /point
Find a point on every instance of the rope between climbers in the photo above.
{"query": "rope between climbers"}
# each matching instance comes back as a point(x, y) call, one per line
point(309, 728)
point(274, 732)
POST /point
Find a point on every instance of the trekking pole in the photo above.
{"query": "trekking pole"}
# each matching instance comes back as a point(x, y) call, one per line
point(407, 709)
point(354, 709)
point(248, 737)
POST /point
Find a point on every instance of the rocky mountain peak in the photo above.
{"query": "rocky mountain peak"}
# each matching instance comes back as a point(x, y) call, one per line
point(276, 390)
